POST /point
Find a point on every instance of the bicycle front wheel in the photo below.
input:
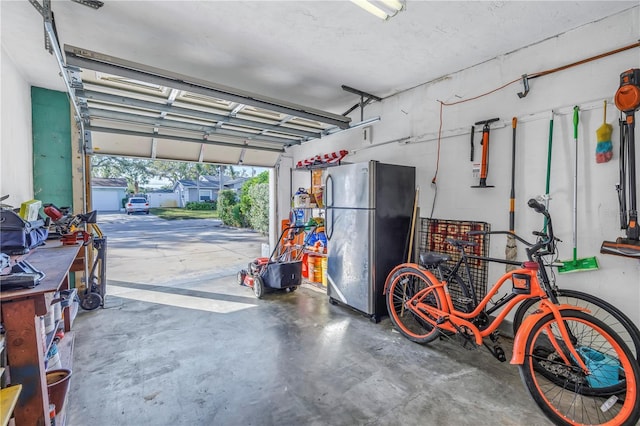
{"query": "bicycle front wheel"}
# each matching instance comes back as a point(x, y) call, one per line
point(607, 394)
point(601, 309)
point(406, 283)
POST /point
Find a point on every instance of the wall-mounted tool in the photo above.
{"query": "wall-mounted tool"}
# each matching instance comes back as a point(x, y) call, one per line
point(473, 129)
point(627, 100)
point(484, 167)
point(576, 264)
point(511, 251)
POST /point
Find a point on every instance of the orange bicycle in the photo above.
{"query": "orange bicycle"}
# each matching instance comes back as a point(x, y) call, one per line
point(575, 367)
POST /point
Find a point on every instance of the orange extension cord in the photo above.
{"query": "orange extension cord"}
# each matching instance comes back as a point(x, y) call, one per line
point(530, 77)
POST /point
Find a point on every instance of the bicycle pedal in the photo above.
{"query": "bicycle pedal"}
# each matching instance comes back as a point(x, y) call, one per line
point(442, 320)
point(498, 352)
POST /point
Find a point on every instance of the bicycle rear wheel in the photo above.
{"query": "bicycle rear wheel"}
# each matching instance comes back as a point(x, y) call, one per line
point(406, 283)
point(460, 290)
point(568, 396)
point(601, 309)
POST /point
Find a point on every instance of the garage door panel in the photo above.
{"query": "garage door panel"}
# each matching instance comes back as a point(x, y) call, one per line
point(120, 126)
point(170, 149)
point(261, 158)
point(221, 154)
point(123, 145)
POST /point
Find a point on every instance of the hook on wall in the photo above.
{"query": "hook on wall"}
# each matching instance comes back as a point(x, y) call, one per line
point(525, 83)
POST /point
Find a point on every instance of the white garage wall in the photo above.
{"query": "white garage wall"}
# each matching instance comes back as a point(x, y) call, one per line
point(163, 199)
point(415, 114)
point(107, 199)
point(16, 152)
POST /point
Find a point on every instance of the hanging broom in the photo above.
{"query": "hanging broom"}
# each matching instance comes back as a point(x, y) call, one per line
point(588, 263)
point(604, 148)
point(511, 250)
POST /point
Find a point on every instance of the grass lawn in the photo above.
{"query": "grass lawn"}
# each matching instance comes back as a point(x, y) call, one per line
point(179, 213)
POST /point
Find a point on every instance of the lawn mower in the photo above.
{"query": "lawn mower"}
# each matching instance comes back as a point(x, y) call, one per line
point(282, 270)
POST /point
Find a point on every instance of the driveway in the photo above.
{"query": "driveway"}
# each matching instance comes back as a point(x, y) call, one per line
point(150, 250)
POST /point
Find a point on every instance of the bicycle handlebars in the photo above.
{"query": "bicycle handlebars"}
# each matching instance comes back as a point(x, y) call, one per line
point(517, 237)
point(544, 239)
point(539, 207)
point(460, 243)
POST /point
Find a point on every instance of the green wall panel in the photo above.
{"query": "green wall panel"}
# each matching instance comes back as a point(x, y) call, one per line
point(51, 126)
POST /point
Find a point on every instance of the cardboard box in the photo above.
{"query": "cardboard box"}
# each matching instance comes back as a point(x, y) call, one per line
point(29, 210)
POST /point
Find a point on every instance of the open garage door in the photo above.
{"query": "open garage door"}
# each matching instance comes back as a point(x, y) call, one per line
point(133, 110)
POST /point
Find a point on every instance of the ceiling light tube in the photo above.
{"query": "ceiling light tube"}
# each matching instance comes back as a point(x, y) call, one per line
point(371, 8)
point(394, 4)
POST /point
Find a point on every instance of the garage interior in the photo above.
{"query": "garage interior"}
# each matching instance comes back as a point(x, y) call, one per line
point(288, 85)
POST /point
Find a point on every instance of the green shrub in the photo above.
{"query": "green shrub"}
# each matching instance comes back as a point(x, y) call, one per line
point(246, 199)
point(200, 205)
point(252, 209)
point(237, 216)
point(254, 202)
point(226, 201)
point(258, 214)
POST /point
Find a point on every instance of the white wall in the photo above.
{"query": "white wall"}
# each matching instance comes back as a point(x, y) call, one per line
point(16, 151)
point(415, 114)
point(163, 199)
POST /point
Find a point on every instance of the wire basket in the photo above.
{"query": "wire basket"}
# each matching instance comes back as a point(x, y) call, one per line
point(433, 234)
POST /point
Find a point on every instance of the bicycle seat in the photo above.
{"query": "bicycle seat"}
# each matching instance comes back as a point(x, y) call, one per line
point(431, 259)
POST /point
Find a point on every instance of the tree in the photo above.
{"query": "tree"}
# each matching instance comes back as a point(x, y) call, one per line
point(178, 170)
point(136, 171)
point(140, 171)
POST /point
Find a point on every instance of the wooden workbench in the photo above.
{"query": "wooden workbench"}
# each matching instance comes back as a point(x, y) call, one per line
point(20, 311)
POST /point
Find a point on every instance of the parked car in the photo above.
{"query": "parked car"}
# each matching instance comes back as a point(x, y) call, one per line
point(137, 204)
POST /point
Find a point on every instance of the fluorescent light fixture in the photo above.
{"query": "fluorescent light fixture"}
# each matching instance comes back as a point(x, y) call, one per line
point(371, 8)
point(394, 4)
point(383, 9)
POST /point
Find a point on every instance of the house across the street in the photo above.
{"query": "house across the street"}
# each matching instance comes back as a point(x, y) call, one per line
point(204, 189)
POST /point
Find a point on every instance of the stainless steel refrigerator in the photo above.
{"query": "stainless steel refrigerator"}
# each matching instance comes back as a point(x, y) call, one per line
point(368, 220)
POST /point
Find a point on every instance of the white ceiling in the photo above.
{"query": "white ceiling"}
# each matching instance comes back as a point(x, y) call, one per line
point(295, 51)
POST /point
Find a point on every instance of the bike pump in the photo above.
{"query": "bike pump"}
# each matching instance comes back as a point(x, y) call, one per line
point(484, 166)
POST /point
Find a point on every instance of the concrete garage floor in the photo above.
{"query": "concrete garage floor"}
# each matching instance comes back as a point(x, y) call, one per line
point(179, 343)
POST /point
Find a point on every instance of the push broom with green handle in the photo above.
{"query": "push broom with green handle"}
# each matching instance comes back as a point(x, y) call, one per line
point(587, 263)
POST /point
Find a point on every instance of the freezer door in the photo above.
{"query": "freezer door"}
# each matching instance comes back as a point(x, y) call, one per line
point(349, 260)
point(348, 186)
point(394, 195)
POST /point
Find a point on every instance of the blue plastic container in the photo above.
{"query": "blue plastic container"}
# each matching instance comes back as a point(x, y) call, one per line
point(604, 369)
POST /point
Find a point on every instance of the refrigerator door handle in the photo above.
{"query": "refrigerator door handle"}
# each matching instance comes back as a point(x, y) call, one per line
point(327, 204)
